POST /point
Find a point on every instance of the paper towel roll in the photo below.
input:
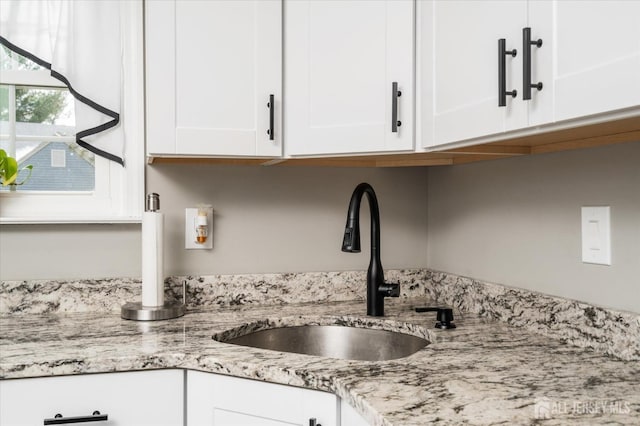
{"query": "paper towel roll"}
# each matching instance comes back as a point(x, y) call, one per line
point(152, 259)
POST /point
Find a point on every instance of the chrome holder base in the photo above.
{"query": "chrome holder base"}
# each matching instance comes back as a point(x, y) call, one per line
point(135, 311)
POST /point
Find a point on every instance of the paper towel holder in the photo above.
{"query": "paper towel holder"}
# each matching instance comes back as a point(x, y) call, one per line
point(153, 307)
point(172, 309)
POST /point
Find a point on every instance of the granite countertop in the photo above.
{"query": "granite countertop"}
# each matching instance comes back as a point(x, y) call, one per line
point(483, 372)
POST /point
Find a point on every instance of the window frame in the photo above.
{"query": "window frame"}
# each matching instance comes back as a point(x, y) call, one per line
point(118, 192)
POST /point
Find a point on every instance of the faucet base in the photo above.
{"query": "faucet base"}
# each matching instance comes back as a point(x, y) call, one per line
point(444, 316)
point(445, 325)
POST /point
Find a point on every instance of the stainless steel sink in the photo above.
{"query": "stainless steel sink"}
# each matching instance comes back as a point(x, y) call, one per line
point(334, 342)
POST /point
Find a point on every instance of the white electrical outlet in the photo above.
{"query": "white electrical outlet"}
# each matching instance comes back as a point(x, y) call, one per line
point(196, 227)
point(596, 235)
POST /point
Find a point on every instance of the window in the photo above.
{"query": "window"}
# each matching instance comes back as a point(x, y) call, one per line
point(37, 127)
point(59, 159)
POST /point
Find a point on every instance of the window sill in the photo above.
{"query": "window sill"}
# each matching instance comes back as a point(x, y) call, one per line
point(69, 220)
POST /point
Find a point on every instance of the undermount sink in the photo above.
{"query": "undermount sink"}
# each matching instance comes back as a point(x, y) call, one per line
point(334, 341)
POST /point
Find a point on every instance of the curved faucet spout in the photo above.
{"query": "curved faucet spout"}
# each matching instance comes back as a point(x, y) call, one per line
point(376, 287)
point(351, 241)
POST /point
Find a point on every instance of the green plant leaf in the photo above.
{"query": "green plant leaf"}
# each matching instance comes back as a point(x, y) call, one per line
point(9, 170)
point(4, 164)
point(30, 168)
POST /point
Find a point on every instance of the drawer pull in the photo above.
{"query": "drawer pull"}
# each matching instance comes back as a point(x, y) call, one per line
point(271, 107)
point(395, 94)
point(59, 419)
point(526, 64)
point(502, 73)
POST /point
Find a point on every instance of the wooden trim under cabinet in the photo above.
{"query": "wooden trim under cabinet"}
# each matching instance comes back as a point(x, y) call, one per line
point(593, 135)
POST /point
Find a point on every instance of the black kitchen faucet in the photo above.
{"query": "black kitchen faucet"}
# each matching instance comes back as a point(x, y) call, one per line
point(377, 289)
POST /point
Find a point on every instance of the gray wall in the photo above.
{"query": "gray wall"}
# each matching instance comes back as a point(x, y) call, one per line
point(517, 222)
point(266, 219)
point(289, 219)
point(69, 251)
point(513, 221)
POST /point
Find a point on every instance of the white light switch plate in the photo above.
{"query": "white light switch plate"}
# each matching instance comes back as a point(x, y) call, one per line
point(190, 230)
point(596, 235)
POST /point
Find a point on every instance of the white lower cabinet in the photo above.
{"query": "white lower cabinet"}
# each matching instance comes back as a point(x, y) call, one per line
point(226, 401)
point(128, 399)
point(350, 417)
point(160, 398)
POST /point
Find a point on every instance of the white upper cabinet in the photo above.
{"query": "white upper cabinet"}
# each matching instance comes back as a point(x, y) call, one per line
point(591, 55)
point(459, 69)
point(214, 73)
point(212, 69)
point(584, 56)
point(342, 59)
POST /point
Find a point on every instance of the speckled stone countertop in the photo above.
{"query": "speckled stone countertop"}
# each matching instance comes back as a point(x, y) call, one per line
point(483, 372)
point(605, 330)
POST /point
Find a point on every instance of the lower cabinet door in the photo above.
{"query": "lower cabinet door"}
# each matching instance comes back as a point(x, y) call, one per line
point(128, 399)
point(226, 401)
point(350, 417)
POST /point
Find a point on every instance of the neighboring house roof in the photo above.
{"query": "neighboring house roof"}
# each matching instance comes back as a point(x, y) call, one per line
point(24, 149)
point(78, 173)
point(72, 146)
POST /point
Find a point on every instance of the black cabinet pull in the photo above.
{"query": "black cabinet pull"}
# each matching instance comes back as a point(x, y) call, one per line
point(395, 94)
point(312, 422)
point(59, 419)
point(271, 107)
point(526, 63)
point(502, 73)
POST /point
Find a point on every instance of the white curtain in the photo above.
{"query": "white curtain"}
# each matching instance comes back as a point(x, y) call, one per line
point(81, 41)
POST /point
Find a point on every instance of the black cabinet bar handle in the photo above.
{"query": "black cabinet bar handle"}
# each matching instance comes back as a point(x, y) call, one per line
point(312, 422)
point(526, 63)
point(58, 419)
point(502, 73)
point(271, 107)
point(395, 94)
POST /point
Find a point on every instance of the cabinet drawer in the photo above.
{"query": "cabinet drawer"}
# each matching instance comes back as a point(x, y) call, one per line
point(128, 399)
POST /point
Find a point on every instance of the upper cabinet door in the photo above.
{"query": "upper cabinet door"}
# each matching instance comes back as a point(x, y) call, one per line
point(459, 69)
point(342, 60)
point(214, 77)
point(596, 55)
